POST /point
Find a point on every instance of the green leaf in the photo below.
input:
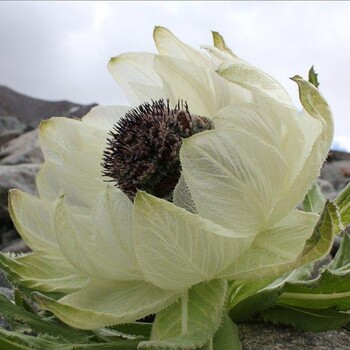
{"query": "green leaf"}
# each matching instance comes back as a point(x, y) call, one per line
point(313, 77)
point(104, 303)
point(320, 243)
point(330, 289)
point(226, 338)
point(342, 258)
point(34, 272)
point(204, 311)
point(314, 199)
point(343, 203)
point(10, 311)
point(310, 320)
point(16, 341)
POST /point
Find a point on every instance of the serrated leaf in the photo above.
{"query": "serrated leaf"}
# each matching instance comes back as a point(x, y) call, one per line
point(320, 243)
point(313, 77)
point(343, 203)
point(17, 341)
point(134, 329)
point(226, 338)
point(11, 311)
point(342, 258)
point(310, 320)
point(204, 314)
point(330, 289)
point(314, 199)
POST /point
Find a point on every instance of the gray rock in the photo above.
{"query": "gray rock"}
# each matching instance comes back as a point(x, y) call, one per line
point(270, 337)
point(18, 246)
point(337, 173)
point(20, 176)
point(8, 292)
point(10, 127)
point(23, 149)
point(14, 176)
point(327, 188)
point(3, 281)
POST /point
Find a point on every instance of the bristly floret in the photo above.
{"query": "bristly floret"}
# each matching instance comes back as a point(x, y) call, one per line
point(143, 149)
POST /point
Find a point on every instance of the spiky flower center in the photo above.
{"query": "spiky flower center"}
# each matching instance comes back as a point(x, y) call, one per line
point(143, 148)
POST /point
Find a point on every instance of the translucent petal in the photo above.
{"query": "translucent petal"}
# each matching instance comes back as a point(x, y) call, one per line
point(135, 73)
point(104, 118)
point(235, 179)
point(239, 72)
point(38, 271)
point(182, 197)
point(79, 176)
point(169, 45)
point(56, 135)
point(104, 303)
point(204, 90)
point(177, 249)
point(275, 250)
point(99, 243)
point(33, 218)
point(317, 114)
point(283, 128)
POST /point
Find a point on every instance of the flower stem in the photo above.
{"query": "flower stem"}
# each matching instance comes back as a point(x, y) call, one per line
point(184, 312)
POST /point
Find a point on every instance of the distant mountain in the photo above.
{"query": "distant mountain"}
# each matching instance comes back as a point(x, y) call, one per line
point(31, 111)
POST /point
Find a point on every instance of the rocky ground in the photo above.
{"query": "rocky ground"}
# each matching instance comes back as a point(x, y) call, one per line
point(20, 159)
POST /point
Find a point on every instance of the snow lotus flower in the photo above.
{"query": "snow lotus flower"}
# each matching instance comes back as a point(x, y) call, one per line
point(120, 253)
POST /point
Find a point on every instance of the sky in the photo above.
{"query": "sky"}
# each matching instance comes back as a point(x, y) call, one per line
point(60, 50)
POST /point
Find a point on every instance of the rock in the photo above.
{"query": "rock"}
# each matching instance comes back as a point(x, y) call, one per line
point(23, 149)
point(271, 337)
point(14, 176)
point(3, 281)
point(327, 188)
point(7, 236)
point(8, 292)
point(18, 246)
point(334, 173)
point(10, 127)
point(20, 176)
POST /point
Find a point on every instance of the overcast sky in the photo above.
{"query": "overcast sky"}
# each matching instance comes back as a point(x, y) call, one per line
point(59, 50)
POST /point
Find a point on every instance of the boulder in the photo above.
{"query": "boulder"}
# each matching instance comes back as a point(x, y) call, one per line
point(23, 149)
point(10, 127)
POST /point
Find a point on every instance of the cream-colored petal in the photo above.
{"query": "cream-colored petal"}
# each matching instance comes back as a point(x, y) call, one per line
point(104, 303)
point(104, 118)
point(277, 249)
point(40, 272)
point(113, 231)
point(78, 175)
point(135, 73)
point(242, 73)
point(169, 45)
point(317, 115)
point(177, 249)
point(32, 218)
point(288, 131)
point(204, 90)
point(95, 242)
point(235, 179)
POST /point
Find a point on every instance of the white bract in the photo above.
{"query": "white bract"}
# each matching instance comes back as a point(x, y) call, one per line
point(234, 211)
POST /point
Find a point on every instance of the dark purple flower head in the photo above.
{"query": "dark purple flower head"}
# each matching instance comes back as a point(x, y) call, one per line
point(143, 149)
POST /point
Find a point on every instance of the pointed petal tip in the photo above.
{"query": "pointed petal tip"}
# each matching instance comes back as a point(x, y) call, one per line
point(296, 78)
